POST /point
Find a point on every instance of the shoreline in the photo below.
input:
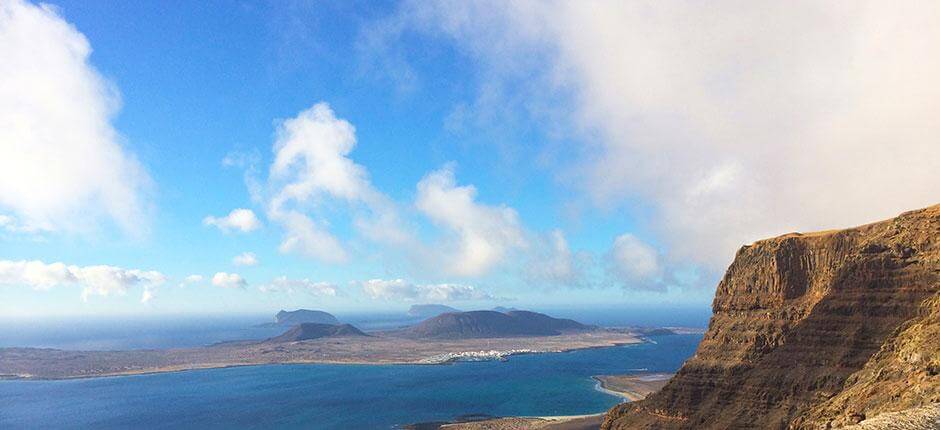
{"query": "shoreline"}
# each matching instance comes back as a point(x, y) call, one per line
point(632, 387)
point(601, 386)
point(627, 388)
point(547, 422)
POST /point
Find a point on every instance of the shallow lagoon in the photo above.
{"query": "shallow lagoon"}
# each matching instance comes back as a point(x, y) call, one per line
point(338, 396)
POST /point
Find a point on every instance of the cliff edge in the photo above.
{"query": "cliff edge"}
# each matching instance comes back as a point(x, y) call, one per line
point(813, 331)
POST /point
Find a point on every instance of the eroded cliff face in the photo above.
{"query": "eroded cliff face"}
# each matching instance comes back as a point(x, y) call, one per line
point(813, 330)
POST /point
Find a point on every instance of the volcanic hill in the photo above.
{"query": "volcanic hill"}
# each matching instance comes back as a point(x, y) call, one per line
point(491, 324)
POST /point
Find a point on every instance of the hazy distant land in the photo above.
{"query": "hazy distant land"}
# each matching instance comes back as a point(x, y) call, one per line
point(477, 335)
point(58, 364)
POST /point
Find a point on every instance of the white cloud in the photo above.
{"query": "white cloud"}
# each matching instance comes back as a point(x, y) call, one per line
point(313, 178)
point(401, 290)
point(282, 284)
point(736, 121)
point(107, 280)
point(98, 280)
point(62, 166)
point(35, 274)
point(229, 280)
point(634, 264)
point(245, 259)
point(243, 220)
point(312, 169)
point(311, 157)
point(481, 235)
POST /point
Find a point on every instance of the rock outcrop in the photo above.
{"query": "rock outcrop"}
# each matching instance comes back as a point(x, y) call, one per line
point(813, 331)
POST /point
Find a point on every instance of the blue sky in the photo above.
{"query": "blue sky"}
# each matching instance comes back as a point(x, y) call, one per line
point(539, 155)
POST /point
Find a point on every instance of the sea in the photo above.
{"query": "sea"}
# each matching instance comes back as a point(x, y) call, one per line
point(312, 396)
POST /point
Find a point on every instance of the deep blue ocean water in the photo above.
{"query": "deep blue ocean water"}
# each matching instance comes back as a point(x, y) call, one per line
point(337, 396)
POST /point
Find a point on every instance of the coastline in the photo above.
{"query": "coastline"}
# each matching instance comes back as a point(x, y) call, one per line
point(601, 386)
point(633, 387)
point(549, 422)
point(629, 388)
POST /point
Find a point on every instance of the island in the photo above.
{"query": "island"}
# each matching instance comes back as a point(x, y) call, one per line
point(443, 339)
point(300, 316)
point(429, 310)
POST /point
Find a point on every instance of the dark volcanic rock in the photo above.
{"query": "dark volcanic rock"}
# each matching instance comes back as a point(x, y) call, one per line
point(308, 331)
point(812, 331)
point(304, 316)
point(430, 310)
point(483, 324)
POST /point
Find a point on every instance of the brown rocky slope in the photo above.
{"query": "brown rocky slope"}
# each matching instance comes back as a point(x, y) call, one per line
point(813, 331)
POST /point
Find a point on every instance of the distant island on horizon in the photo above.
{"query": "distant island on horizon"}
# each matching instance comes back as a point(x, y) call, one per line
point(429, 310)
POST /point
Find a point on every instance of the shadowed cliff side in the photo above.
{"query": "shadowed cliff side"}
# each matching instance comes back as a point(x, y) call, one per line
point(813, 330)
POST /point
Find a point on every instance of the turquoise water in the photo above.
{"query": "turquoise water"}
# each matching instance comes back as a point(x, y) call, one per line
point(337, 396)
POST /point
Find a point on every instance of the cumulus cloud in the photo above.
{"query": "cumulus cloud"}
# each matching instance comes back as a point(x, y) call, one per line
point(242, 220)
point(401, 290)
point(311, 156)
point(734, 121)
point(282, 284)
point(312, 169)
point(98, 280)
point(62, 166)
point(229, 280)
point(480, 235)
point(313, 178)
point(245, 259)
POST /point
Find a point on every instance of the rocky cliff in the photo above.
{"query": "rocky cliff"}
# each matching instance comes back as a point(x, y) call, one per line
point(813, 331)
